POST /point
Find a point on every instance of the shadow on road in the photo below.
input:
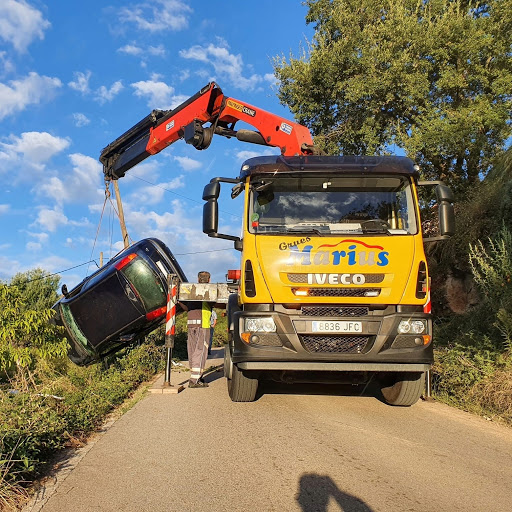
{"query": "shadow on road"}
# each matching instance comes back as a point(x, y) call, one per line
point(314, 388)
point(315, 492)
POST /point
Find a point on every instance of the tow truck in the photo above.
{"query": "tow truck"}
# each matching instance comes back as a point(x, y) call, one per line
point(333, 284)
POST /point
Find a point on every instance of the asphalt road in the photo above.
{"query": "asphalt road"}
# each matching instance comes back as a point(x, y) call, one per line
point(295, 449)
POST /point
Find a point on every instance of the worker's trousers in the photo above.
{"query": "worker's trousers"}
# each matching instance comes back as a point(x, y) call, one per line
point(197, 346)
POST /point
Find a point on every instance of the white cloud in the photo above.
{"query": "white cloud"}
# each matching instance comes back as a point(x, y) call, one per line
point(157, 51)
point(34, 148)
point(51, 220)
point(130, 49)
point(4, 208)
point(81, 82)
point(103, 94)
point(20, 23)
point(187, 164)
point(80, 119)
point(158, 94)
point(40, 237)
point(153, 194)
point(30, 90)
point(81, 185)
point(157, 16)
point(225, 64)
point(6, 64)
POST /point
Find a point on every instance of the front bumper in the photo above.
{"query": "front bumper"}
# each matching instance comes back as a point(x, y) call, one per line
point(295, 346)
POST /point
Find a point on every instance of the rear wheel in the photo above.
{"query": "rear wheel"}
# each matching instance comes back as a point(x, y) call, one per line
point(240, 387)
point(403, 389)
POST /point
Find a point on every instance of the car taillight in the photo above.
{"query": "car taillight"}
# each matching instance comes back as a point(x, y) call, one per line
point(156, 313)
point(125, 261)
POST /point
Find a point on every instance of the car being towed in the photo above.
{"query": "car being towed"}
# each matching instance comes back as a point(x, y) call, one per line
point(118, 304)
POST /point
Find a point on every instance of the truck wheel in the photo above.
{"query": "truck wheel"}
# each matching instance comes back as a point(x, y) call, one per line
point(403, 389)
point(240, 387)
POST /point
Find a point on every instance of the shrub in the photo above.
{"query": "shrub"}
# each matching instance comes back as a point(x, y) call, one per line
point(67, 403)
point(492, 270)
point(25, 334)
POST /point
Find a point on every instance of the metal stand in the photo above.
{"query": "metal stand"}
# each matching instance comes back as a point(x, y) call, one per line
point(170, 332)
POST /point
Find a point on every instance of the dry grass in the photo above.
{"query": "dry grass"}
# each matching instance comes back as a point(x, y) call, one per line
point(494, 395)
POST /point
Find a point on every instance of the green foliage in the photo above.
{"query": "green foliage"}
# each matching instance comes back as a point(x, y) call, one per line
point(434, 78)
point(68, 403)
point(37, 290)
point(25, 334)
point(492, 270)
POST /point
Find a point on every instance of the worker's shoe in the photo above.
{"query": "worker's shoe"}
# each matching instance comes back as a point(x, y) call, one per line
point(198, 384)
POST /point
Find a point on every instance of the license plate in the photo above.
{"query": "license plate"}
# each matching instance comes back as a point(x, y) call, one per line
point(340, 326)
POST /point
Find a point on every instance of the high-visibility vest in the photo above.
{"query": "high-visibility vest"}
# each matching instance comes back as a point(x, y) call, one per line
point(206, 313)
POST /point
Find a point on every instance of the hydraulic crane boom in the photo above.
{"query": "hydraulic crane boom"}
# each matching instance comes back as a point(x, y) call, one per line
point(161, 128)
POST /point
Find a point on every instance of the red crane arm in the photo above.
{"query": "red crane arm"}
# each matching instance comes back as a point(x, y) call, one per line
point(162, 128)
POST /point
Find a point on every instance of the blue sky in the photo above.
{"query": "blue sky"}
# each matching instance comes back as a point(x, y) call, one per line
point(76, 75)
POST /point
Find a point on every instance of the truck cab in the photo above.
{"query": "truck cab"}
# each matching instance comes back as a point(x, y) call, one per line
point(334, 280)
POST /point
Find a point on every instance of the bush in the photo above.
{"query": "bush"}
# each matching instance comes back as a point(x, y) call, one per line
point(492, 270)
point(68, 403)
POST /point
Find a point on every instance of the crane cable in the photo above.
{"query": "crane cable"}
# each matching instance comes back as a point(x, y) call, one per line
point(107, 196)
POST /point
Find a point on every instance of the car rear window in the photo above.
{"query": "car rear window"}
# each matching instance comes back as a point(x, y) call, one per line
point(146, 283)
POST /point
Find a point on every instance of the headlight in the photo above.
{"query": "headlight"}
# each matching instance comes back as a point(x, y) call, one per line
point(260, 324)
point(412, 326)
point(418, 326)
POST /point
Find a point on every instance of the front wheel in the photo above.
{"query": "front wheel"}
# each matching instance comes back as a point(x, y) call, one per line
point(403, 389)
point(240, 387)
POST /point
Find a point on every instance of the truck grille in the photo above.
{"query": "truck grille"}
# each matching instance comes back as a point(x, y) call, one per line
point(332, 311)
point(303, 278)
point(335, 344)
point(340, 292)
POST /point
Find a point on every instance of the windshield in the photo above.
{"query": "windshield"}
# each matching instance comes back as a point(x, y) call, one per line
point(325, 206)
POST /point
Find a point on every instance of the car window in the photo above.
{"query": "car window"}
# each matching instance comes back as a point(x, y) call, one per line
point(146, 283)
point(74, 330)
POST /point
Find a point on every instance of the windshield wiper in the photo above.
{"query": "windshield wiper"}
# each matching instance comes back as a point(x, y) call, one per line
point(307, 230)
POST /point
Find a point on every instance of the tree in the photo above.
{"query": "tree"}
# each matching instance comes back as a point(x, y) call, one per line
point(37, 289)
point(26, 334)
point(431, 77)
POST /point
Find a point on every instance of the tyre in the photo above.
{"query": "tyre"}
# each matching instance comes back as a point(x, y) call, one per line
point(240, 387)
point(403, 389)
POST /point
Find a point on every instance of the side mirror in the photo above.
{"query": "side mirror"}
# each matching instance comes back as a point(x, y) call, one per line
point(211, 191)
point(446, 212)
point(444, 193)
point(210, 216)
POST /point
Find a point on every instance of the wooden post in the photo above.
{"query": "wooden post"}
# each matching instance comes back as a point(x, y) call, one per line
point(121, 215)
point(101, 259)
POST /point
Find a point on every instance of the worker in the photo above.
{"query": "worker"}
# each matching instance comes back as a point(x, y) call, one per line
point(213, 323)
point(198, 323)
